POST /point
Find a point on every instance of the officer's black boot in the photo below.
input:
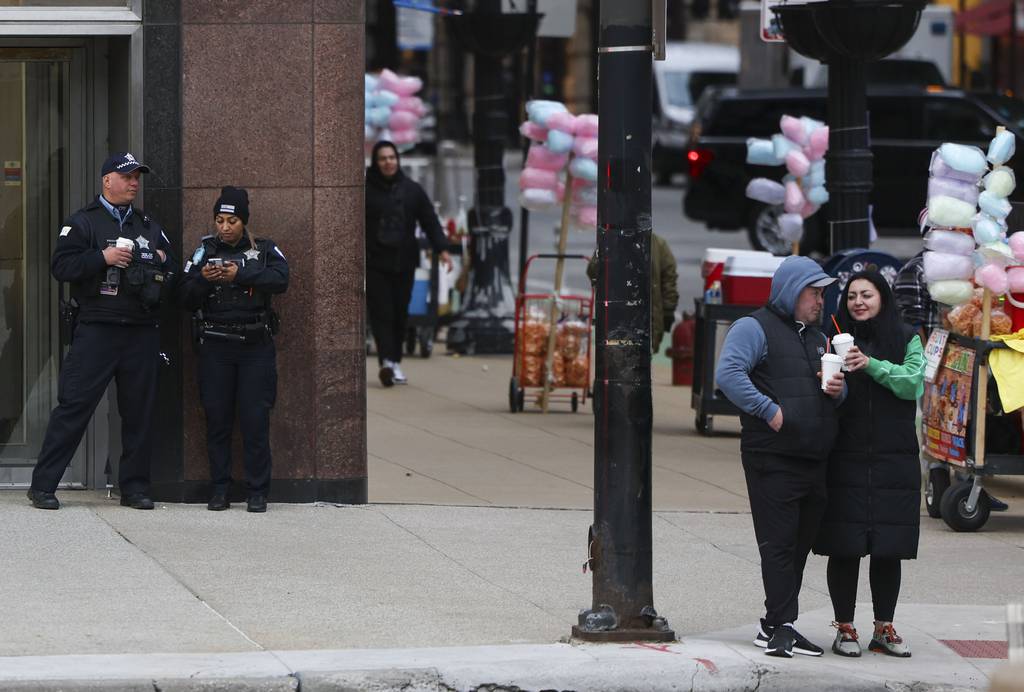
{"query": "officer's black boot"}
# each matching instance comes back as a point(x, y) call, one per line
point(218, 502)
point(256, 503)
point(137, 501)
point(43, 500)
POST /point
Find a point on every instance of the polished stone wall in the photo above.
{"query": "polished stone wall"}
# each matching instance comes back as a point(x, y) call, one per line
point(271, 100)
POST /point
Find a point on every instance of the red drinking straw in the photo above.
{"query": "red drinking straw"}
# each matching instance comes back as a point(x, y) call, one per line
point(838, 330)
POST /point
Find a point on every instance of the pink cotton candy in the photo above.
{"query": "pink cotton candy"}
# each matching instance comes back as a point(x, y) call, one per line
point(809, 209)
point(533, 132)
point(1017, 245)
point(406, 136)
point(1015, 277)
point(817, 143)
point(538, 178)
point(562, 121)
point(587, 215)
point(585, 147)
point(586, 125)
point(993, 277)
point(795, 199)
point(402, 120)
point(403, 86)
point(797, 164)
point(412, 104)
point(541, 157)
point(793, 128)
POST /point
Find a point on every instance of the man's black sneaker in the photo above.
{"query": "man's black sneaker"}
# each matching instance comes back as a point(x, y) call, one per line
point(801, 645)
point(764, 633)
point(137, 501)
point(781, 643)
point(43, 500)
point(995, 504)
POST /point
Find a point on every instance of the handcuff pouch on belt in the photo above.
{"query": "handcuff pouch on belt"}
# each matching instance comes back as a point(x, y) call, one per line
point(256, 332)
point(147, 282)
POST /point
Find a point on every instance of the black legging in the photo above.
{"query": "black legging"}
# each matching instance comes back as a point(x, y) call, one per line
point(884, 574)
point(387, 297)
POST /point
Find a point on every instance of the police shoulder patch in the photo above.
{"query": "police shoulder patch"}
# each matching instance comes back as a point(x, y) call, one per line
point(64, 231)
point(198, 255)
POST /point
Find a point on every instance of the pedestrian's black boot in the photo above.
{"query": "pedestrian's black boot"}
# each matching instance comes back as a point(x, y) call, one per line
point(218, 503)
point(256, 503)
point(137, 501)
point(43, 500)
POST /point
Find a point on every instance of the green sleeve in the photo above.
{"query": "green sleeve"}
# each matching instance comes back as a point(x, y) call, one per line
point(906, 381)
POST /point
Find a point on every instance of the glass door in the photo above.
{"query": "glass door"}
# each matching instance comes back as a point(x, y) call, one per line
point(35, 129)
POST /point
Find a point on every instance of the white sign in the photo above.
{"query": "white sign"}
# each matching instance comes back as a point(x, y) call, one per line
point(414, 29)
point(771, 31)
point(933, 353)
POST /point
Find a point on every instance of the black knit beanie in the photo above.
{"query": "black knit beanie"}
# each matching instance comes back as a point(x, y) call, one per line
point(233, 200)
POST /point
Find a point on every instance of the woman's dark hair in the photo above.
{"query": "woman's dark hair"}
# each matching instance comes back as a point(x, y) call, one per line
point(884, 335)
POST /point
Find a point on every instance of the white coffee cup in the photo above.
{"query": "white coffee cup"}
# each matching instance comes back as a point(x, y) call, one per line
point(841, 343)
point(830, 365)
point(126, 243)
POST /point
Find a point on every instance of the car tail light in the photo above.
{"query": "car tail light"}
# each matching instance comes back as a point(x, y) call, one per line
point(698, 160)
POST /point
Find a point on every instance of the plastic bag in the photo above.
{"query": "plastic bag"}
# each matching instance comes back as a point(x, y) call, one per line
point(536, 199)
point(1016, 243)
point(939, 168)
point(964, 158)
point(961, 318)
point(1001, 181)
point(951, 242)
point(559, 142)
point(993, 277)
point(998, 207)
point(538, 178)
point(951, 187)
point(816, 175)
point(1001, 148)
point(999, 323)
point(782, 145)
point(950, 212)
point(533, 132)
point(766, 191)
point(797, 164)
point(586, 125)
point(943, 266)
point(951, 292)
point(817, 195)
point(563, 121)
point(791, 227)
point(761, 153)
point(987, 229)
point(585, 169)
point(542, 158)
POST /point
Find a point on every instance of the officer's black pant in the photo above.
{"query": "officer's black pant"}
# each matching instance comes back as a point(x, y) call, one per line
point(387, 298)
point(787, 503)
point(99, 353)
point(242, 375)
point(885, 575)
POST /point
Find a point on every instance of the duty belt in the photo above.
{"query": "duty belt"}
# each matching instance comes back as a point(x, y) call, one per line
point(242, 333)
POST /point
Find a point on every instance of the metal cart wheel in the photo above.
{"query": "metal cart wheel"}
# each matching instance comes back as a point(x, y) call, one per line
point(521, 399)
point(954, 508)
point(704, 424)
point(426, 338)
point(935, 485)
point(575, 402)
point(514, 395)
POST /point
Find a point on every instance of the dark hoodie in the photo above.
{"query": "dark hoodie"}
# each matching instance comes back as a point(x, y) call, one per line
point(745, 374)
point(393, 207)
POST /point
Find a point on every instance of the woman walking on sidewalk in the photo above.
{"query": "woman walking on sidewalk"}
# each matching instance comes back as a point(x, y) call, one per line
point(394, 205)
point(874, 497)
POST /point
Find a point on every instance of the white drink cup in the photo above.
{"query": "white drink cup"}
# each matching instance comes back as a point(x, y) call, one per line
point(830, 365)
point(126, 243)
point(841, 343)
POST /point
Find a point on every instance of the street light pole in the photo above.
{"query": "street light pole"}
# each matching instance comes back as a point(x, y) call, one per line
point(619, 544)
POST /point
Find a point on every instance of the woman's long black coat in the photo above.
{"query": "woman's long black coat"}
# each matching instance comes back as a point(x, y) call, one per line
point(874, 475)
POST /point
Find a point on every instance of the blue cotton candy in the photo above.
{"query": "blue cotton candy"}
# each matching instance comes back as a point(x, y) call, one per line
point(369, 82)
point(1001, 148)
point(782, 146)
point(559, 142)
point(999, 207)
point(761, 153)
point(816, 176)
point(987, 229)
point(818, 195)
point(584, 168)
point(378, 116)
point(539, 110)
point(964, 158)
point(386, 98)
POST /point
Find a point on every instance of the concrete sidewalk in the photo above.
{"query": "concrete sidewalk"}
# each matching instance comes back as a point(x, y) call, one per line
point(465, 570)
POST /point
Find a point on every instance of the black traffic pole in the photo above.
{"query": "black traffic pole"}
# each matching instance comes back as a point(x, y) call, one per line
point(619, 542)
point(849, 162)
point(524, 213)
point(485, 323)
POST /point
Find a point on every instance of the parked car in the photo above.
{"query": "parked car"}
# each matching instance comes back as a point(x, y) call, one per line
point(679, 80)
point(906, 125)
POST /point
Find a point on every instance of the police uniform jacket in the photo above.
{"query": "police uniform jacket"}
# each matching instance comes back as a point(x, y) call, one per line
point(78, 260)
point(262, 272)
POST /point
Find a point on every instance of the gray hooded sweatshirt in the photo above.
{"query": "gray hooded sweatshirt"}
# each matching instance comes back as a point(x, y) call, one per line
point(746, 345)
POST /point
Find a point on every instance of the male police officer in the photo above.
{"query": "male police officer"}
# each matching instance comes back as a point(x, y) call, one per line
point(228, 284)
point(117, 261)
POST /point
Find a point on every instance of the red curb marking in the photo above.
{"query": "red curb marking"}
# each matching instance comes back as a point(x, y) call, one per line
point(978, 648)
point(663, 648)
point(710, 665)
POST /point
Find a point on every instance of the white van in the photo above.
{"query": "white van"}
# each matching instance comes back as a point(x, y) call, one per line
point(678, 82)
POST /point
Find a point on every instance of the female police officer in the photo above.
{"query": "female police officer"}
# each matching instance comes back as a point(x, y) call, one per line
point(228, 284)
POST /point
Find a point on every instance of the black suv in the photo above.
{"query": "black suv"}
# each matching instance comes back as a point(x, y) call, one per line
point(907, 125)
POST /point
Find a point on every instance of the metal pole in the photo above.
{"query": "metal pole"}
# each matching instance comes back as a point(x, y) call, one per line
point(619, 543)
point(848, 163)
point(524, 213)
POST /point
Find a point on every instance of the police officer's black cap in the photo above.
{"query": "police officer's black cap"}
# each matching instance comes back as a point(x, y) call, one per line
point(234, 201)
point(122, 162)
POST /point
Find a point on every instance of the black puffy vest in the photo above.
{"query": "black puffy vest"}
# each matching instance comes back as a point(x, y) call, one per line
point(789, 377)
point(874, 476)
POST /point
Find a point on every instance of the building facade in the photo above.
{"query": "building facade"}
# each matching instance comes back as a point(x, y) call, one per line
point(262, 94)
